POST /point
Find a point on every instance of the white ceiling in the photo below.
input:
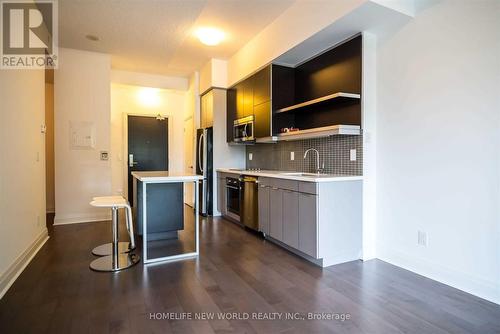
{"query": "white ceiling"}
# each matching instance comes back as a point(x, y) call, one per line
point(156, 36)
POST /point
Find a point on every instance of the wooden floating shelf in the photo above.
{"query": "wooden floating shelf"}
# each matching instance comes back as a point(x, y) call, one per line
point(338, 96)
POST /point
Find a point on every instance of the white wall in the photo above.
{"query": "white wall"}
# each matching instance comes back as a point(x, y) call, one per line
point(300, 21)
point(82, 94)
point(22, 167)
point(438, 145)
point(125, 99)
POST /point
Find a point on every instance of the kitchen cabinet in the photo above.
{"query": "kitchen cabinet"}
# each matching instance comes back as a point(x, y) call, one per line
point(251, 97)
point(276, 213)
point(262, 86)
point(207, 109)
point(248, 97)
point(291, 218)
point(262, 125)
point(264, 207)
point(308, 227)
point(318, 221)
point(240, 106)
point(230, 114)
point(221, 194)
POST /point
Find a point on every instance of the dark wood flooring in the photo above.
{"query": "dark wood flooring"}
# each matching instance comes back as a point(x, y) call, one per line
point(237, 272)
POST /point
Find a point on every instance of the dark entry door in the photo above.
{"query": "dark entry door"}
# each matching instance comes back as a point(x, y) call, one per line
point(147, 146)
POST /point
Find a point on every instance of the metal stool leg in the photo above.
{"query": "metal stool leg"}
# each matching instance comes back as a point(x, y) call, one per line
point(123, 246)
point(115, 261)
point(130, 226)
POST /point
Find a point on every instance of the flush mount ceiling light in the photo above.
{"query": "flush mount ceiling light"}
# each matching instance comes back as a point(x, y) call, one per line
point(210, 36)
point(92, 38)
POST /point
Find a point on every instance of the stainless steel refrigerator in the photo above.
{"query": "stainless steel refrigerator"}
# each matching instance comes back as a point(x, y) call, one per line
point(204, 166)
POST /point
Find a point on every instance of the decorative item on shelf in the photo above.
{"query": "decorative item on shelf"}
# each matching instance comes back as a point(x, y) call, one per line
point(159, 117)
point(291, 129)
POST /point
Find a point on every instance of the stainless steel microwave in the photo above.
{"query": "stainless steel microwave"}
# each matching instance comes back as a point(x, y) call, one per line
point(243, 130)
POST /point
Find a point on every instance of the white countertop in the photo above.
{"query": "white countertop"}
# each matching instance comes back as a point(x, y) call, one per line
point(165, 176)
point(308, 177)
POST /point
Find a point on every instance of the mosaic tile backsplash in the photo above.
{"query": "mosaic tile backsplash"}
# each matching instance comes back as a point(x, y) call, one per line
point(334, 151)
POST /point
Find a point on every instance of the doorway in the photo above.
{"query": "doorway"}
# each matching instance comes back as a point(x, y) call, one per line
point(147, 138)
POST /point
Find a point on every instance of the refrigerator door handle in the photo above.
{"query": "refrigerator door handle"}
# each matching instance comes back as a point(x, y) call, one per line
point(199, 152)
point(205, 153)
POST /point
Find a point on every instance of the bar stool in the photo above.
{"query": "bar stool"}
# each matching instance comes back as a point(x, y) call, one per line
point(115, 261)
point(123, 246)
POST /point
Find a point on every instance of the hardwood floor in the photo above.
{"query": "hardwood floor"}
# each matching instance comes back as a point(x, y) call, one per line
point(238, 272)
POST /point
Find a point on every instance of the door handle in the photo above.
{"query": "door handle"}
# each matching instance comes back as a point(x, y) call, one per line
point(199, 152)
point(131, 161)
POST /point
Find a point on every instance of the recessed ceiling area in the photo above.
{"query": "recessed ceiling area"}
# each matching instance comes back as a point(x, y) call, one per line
point(159, 36)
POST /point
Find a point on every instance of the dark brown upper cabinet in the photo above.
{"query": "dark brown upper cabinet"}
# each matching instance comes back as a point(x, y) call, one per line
point(251, 97)
point(231, 114)
point(262, 86)
point(323, 91)
point(262, 119)
point(240, 107)
point(248, 97)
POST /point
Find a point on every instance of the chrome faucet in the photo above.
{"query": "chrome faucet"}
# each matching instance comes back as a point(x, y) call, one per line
point(318, 169)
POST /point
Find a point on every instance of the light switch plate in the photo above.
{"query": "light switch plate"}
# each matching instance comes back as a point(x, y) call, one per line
point(250, 156)
point(292, 155)
point(352, 155)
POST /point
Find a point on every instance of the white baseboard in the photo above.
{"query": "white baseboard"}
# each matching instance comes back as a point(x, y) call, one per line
point(16, 268)
point(81, 218)
point(464, 281)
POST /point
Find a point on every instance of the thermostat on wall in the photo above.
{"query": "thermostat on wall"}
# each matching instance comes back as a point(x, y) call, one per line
point(104, 155)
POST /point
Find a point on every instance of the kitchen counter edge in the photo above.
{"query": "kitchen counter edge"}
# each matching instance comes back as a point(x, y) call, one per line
point(279, 175)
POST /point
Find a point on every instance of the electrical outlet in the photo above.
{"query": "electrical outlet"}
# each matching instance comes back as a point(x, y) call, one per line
point(422, 238)
point(292, 155)
point(352, 155)
point(250, 156)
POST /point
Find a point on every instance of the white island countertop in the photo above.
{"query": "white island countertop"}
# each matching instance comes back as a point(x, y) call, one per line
point(166, 176)
point(290, 175)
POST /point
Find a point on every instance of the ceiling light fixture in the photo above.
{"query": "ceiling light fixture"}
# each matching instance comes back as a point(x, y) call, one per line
point(92, 38)
point(210, 36)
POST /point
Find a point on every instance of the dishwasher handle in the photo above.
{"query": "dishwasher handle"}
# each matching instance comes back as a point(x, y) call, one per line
point(249, 179)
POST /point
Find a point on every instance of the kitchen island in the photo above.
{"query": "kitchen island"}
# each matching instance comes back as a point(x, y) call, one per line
point(159, 209)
